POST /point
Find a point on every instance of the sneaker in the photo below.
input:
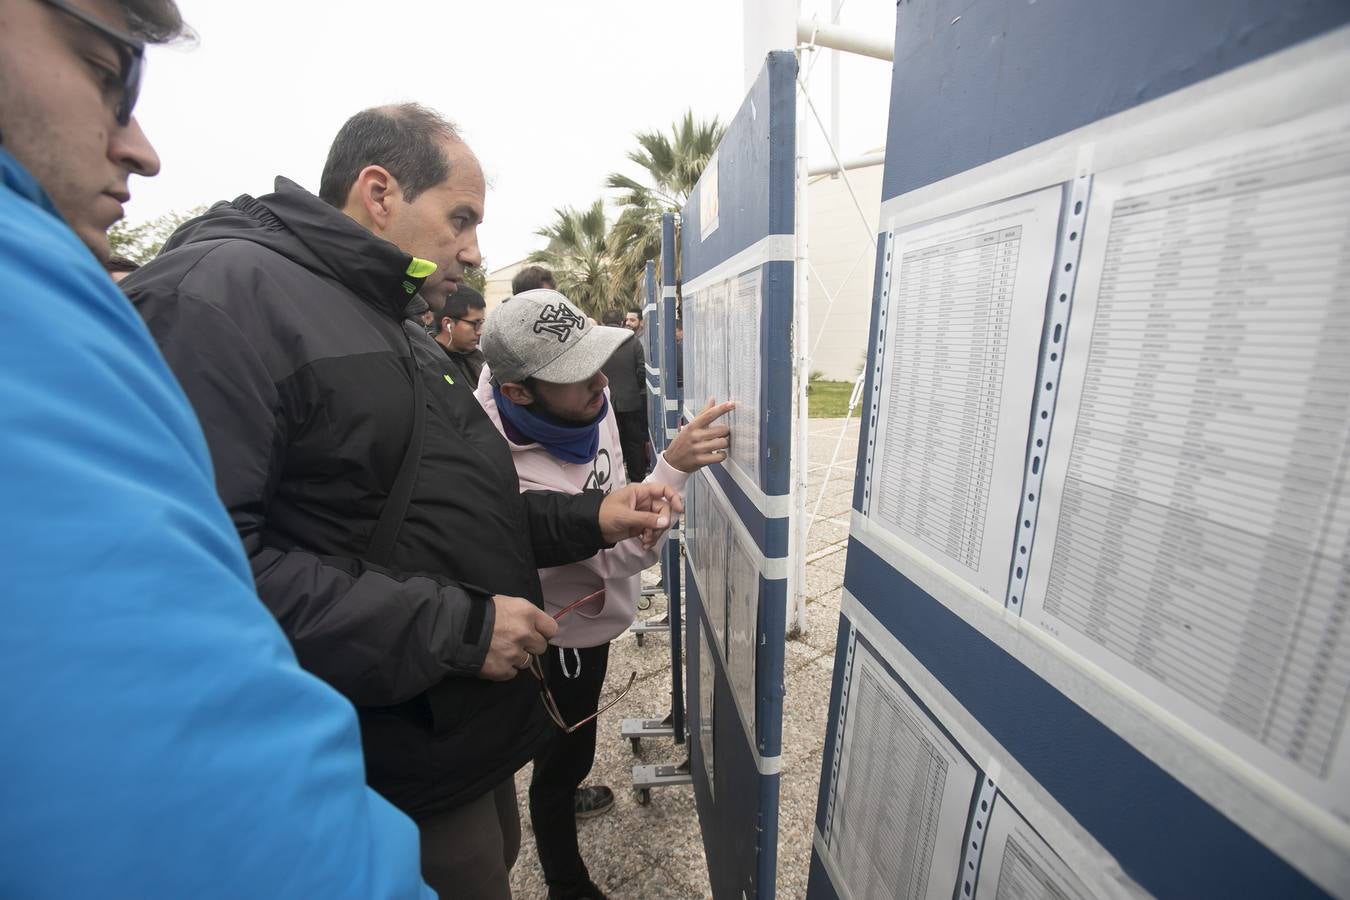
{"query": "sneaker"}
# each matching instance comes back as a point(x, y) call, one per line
point(592, 801)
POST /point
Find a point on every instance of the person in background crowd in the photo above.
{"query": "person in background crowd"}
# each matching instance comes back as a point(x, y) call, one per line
point(456, 329)
point(532, 278)
point(119, 267)
point(626, 372)
point(160, 738)
point(376, 502)
point(547, 394)
point(418, 311)
point(632, 320)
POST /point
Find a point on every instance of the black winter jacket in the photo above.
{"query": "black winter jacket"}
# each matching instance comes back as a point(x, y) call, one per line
point(283, 320)
point(467, 366)
point(626, 371)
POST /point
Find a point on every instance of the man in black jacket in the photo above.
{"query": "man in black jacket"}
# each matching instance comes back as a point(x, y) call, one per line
point(457, 328)
point(378, 505)
point(627, 374)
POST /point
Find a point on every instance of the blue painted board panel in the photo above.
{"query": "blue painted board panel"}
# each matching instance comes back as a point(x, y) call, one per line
point(975, 80)
point(756, 194)
point(652, 344)
point(733, 812)
point(770, 533)
point(832, 723)
point(818, 884)
point(760, 141)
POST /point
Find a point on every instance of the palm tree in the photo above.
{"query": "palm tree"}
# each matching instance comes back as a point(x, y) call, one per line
point(580, 253)
point(476, 276)
point(673, 163)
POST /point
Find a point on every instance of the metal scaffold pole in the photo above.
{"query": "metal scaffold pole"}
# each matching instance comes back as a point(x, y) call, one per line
point(800, 524)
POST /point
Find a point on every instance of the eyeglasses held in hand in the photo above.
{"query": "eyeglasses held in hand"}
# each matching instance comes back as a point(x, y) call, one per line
point(130, 51)
point(546, 696)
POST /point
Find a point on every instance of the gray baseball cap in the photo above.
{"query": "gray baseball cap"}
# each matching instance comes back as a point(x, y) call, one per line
point(540, 334)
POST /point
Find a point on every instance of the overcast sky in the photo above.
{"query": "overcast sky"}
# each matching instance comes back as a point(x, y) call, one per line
point(548, 94)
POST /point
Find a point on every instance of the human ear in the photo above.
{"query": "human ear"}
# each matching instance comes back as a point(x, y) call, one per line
point(376, 192)
point(517, 394)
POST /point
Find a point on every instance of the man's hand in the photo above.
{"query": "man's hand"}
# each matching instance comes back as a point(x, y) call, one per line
point(639, 510)
point(519, 630)
point(701, 443)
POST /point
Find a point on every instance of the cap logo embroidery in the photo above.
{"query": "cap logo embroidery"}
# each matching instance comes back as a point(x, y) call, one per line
point(558, 320)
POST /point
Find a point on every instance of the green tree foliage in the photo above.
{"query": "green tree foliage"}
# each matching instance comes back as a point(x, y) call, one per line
point(581, 254)
point(671, 164)
point(141, 242)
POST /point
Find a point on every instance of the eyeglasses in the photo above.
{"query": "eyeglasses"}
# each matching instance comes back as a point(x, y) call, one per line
point(545, 695)
point(130, 51)
point(475, 324)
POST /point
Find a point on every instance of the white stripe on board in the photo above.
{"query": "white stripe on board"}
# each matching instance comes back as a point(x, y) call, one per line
point(774, 568)
point(774, 248)
point(771, 506)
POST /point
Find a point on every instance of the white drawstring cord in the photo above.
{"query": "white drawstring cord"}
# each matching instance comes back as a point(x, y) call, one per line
point(562, 660)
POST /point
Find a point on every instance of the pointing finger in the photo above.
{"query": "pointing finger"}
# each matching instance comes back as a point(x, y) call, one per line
point(712, 412)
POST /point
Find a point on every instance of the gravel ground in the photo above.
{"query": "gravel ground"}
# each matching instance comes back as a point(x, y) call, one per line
point(639, 852)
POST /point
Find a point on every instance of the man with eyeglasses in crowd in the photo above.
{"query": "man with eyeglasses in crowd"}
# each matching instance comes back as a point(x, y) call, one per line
point(457, 328)
point(160, 738)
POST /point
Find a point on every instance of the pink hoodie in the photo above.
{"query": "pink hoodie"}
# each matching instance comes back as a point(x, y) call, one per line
point(616, 569)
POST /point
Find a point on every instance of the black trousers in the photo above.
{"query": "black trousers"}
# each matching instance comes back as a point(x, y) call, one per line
point(563, 763)
point(633, 440)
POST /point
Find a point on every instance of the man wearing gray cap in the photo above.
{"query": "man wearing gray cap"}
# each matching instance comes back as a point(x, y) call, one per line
point(549, 398)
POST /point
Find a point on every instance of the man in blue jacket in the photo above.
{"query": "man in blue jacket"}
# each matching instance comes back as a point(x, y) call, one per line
point(159, 738)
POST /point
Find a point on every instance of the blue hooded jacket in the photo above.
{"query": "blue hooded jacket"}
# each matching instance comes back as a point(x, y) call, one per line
point(159, 738)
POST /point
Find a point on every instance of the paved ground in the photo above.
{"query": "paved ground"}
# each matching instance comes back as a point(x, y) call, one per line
point(656, 851)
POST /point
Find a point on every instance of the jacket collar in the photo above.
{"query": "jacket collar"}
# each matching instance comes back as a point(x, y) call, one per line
point(375, 270)
point(475, 354)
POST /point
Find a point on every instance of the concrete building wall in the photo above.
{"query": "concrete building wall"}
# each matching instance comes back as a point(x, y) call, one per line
point(498, 286)
point(843, 262)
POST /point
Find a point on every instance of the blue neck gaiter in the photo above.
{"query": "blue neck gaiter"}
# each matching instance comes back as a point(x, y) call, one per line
point(571, 443)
